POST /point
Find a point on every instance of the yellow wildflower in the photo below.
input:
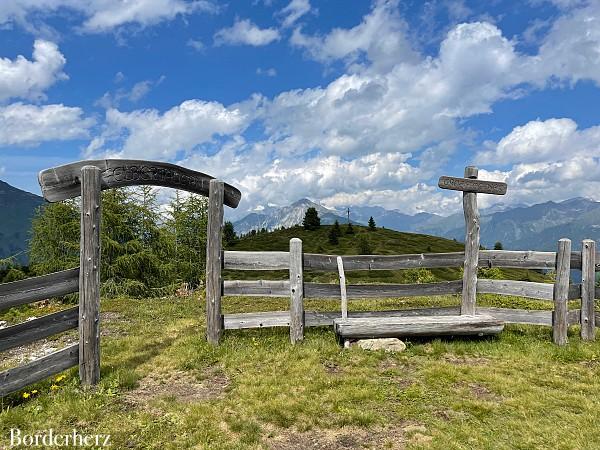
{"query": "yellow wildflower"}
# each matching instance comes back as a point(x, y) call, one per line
point(34, 392)
point(54, 387)
point(26, 394)
point(60, 378)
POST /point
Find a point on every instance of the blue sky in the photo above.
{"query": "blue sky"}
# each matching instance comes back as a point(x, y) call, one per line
point(344, 102)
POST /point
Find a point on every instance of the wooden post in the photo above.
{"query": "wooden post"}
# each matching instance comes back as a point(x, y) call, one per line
point(214, 319)
point(340, 264)
point(296, 291)
point(471, 212)
point(89, 277)
point(588, 288)
point(560, 322)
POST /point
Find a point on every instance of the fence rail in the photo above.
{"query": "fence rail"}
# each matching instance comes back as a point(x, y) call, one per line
point(39, 288)
point(12, 380)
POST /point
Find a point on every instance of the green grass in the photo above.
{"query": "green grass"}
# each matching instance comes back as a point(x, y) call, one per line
point(382, 242)
point(257, 391)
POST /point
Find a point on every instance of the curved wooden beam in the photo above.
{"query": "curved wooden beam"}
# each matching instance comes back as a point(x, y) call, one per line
point(63, 182)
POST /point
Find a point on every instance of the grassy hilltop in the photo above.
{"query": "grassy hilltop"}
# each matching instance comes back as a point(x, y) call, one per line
point(381, 242)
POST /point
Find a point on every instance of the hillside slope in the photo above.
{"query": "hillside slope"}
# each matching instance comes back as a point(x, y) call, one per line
point(381, 241)
point(18, 208)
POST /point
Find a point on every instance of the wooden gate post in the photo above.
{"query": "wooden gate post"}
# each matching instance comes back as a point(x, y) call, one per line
point(89, 277)
point(588, 289)
point(469, 291)
point(296, 291)
point(214, 262)
point(560, 323)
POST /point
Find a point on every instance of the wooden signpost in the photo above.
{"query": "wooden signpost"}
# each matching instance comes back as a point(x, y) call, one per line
point(471, 186)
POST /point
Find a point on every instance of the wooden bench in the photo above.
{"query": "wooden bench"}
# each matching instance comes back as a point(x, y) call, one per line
point(380, 327)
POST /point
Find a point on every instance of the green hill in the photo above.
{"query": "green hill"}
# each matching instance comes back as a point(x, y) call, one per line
point(381, 241)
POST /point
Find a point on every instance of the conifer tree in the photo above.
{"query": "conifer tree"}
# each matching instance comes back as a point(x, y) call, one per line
point(371, 223)
point(311, 221)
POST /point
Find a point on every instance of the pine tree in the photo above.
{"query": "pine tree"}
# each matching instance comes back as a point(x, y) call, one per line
point(498, 246)
point(229, 236)
point(349, 228)
point(336, 228)
point(311, 221)
point(333, 236)
point(364, 248)
point(371, 223)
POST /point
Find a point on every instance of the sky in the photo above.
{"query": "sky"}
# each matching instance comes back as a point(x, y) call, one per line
point(344, 102)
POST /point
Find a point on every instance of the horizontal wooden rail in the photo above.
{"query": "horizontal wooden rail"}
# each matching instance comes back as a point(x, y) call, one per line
point(256, 260)
point(318, 290)
point(541, 291)
point(39, 288)
point(260, 288)
point(241, 260)
point(326, 318)
point(40, 328)
point(12, 380)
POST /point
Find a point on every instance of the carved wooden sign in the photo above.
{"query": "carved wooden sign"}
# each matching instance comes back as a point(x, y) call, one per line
point(63, 182)
point(472, 185)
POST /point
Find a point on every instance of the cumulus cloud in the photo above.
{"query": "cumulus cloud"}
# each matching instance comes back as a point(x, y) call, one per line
point(103, 15)
point(148, 133)
point(27, 125)
point(29, 79)
point(245, 32)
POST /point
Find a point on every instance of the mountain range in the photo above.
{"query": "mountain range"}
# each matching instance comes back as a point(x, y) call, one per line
point(536, 227)
point(18, 208)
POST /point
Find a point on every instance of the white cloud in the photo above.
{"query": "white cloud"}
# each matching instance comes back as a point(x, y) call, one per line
point(148, 133)
point(103, 15)
point(294, 11)
point(244, 32)
point(270, 72)
point(30, 78)
point(27, 125)
point(196, 44)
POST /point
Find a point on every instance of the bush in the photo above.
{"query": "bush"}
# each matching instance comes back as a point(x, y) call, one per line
point(311, 221)
point(364, 248)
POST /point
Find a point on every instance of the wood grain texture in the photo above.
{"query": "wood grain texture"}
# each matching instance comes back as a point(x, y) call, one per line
point(342, 278)
point(472, 226)
point(588, 289)
point(379, 327)
point(89, 277)
point(326, 318)
point(40, 328)
point(560, 318)
point(60, 183)
point(257, 288)
point(256, 260)
point(39, 288)
point(541, 291)
point(214, 280)
point(319, 290)
point(472, 185)
point(296, 291)
point(12, 380)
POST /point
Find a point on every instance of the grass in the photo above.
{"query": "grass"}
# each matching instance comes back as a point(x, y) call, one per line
point(164, 387)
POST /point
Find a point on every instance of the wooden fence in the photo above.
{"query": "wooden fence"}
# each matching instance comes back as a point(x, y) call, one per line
point(559, 292)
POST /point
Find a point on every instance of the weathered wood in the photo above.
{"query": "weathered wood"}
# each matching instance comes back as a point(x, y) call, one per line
point(12, 380)
point(319, 290)
point(89, 277)
point(39, 288)
point(541, 291)
point(296, 291)
point(214, 263)
point(343, 295)
point(378, 327)
point(469, 289)
point(256, 260)
point(60, 183)
point(487, 258)
point(257, 288)
point(588, 286)
point(472, 185)
point(40, 328)
point(560, 321)
point(326, 318)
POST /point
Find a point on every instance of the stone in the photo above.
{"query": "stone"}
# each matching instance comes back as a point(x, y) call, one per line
point(387, 344)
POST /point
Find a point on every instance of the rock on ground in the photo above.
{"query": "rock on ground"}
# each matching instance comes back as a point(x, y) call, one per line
point(387, 344)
